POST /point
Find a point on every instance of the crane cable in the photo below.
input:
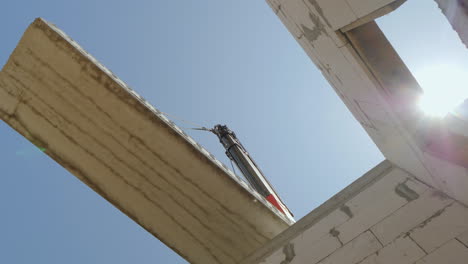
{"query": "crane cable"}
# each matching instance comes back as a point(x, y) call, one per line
point(197, 126)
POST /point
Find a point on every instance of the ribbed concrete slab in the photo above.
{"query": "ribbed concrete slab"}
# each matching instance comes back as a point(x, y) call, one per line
point(90, 122)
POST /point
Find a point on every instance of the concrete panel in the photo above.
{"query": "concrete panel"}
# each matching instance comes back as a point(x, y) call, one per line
point(316, 243)
point(374, 204)
point(451, 178)
point(373, 15)
point(315, 237)
point(421, 134)
point(376, 86)
point(401, 251)
point(410, 215)
point(290, 25)
point(364, 89)
point(277, 257)
point(338, 13)
point(10, 95)
point(456, 12)
point(443, 226)
point(374, 83)
point(401, 219)
point(274, 4)
point(355, 251)
point(310, 20)
point(451, 253)
point(396, 144)
point(313, 252)
point(463, 238)
point(61, 99)
point(357, 86)
point(364, 7)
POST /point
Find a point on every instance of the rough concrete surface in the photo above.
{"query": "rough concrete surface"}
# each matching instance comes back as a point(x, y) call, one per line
point(456, 12)
point(410, 211)
point(380, 226)
point(413, 207)
point(85, 118)
point(378, 89)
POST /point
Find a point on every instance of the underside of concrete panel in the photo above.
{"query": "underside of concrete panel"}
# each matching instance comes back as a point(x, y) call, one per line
point(456, 12)
point(409, 209)
point(90, 122)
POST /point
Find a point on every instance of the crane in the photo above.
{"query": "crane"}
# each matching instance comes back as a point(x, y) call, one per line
point(239, 155)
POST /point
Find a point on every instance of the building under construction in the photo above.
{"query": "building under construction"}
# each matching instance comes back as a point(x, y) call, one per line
point(411, 208)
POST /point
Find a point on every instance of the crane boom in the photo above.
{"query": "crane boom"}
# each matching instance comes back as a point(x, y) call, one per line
point(239, 155)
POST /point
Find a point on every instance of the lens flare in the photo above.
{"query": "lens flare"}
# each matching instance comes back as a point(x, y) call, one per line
point(444, 88)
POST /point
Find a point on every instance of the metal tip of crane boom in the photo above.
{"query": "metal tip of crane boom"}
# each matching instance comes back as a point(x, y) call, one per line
point(203, 129)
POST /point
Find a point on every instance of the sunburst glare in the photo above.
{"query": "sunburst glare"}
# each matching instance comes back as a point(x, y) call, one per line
point(444, 88)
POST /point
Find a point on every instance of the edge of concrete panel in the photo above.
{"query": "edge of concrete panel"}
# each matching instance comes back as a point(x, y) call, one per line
point(456, 12)
point(146, 108)
point(262, 215)
point(321, 212)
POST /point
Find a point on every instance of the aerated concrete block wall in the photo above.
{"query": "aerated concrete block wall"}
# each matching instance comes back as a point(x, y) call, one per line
point(387, 216)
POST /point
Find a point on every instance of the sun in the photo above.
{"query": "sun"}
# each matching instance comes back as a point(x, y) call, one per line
point(444, 87)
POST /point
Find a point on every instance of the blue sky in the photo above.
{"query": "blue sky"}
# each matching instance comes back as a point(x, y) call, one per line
point(229, 62)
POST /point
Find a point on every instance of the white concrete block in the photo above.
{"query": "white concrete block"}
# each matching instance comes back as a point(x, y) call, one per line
point(350, 81)
point(409, 216)
point(316, 242)
point(401, 150)
point(337, 13)
point(396, 144)
point(321, 228)
point(317, 17)
point(275, 258)
point(297, 12)
point(375, 114)
point(358, 84)
point(308, 20)
point(366, 89)
point(339, 72)
point(378, 201)
point(364, 7)
point(401, 251)
point(452, 252)
point(311, 52)
point(313, 251)
point(289, 23)
point(441, 227)
point(274, 5)
point(463, 238)
point(332, 62)
point(355, 251)
point(451, 178)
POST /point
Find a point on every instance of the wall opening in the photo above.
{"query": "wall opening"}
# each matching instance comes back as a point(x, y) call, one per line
point(434, 54)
